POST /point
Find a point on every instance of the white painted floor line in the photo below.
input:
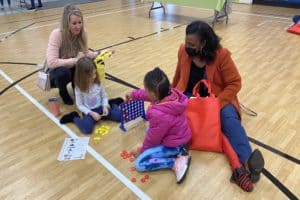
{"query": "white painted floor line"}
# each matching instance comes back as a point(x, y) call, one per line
point(137, 191)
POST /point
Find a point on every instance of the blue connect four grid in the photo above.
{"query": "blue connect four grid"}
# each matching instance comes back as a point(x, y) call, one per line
point(131, 110)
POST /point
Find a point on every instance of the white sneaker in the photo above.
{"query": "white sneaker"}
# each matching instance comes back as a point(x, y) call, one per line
point(181, 167)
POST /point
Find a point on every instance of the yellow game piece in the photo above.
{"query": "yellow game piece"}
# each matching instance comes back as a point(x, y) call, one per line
point(97, 139)
point(97, 131)
point(104, 132)
point(105, 127)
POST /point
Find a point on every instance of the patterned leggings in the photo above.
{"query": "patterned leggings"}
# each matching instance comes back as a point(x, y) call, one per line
point(159, 157)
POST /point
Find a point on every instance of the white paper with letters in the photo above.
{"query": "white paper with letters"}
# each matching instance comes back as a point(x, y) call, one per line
point(73, 149)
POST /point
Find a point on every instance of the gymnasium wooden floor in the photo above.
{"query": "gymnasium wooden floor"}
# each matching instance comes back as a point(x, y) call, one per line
point(31, 138)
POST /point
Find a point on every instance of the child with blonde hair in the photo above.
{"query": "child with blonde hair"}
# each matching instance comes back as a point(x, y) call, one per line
point(91, 99)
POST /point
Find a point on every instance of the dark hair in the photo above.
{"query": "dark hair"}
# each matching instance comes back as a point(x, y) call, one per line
point(84, 70)
point(157, 81)
point(205, 34)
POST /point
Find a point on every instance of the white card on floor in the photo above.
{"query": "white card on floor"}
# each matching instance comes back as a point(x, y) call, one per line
point(73, 149)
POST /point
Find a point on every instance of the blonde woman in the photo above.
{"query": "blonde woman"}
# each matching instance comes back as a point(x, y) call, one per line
point(66, 45)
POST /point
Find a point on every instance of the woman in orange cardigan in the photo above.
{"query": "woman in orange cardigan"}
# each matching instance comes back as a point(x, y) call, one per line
point(203, 57)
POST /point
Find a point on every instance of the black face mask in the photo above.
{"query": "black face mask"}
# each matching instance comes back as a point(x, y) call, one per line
point(191, 51)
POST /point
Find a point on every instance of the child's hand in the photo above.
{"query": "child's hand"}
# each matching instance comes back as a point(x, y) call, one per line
point(136, 152)
point(105, 111)
point(95, 116)
point(128, 96)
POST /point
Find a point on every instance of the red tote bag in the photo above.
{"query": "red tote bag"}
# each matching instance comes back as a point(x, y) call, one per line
point(294, 29)
point(203, 114)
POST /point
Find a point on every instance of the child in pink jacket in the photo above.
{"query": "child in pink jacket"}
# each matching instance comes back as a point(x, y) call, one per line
point(166, 141)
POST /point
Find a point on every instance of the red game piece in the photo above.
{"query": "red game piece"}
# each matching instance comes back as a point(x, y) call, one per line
point(143, 180)
point(133, 180)
point(122, 153)
point(132, 168)
point(146, 177)
point(128, 156)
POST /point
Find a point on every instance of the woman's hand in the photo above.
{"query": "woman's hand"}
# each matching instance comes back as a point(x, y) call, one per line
point(94, 54)
point(91, 54)
point(80, 55)
point(107, 50)
point(105, 111)
point(95, 115)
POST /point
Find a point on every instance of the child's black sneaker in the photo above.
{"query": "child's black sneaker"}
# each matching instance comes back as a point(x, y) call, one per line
point(68, 117)
point(117, 101)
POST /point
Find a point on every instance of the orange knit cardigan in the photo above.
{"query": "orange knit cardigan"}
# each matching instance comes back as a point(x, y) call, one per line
point(222, 74)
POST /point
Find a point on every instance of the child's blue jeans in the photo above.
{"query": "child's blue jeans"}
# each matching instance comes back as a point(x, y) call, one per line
point(87, 123)
point(159, 157)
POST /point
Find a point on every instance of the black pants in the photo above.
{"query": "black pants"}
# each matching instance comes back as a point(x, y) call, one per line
point(61, 76)
point(8, 2)
point(33, 5)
